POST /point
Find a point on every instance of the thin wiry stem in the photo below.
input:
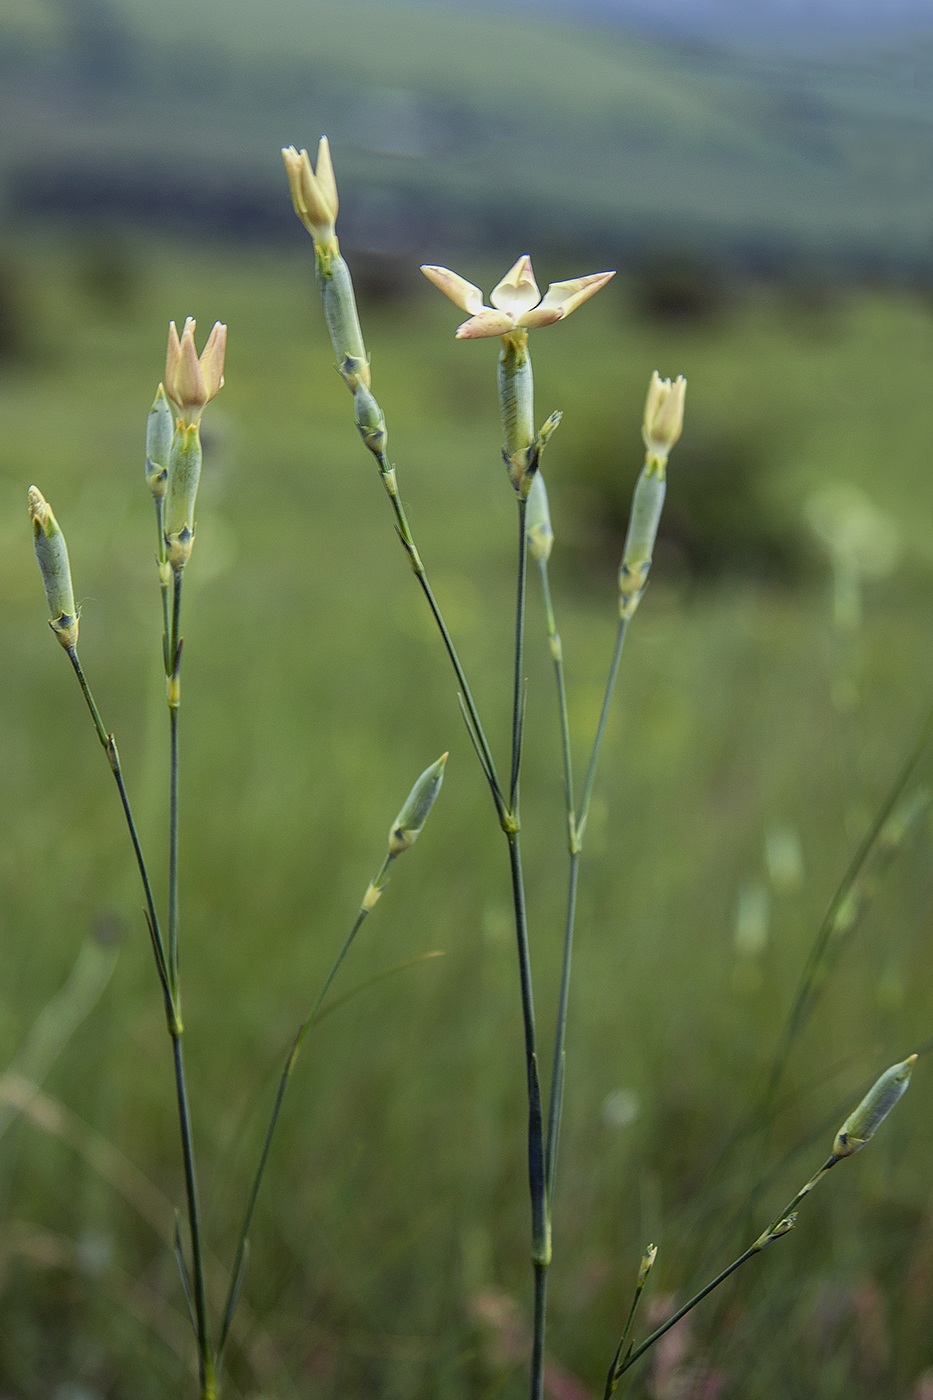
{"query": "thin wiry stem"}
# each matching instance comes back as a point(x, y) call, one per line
point(590, 778)
point(808, 988)
point(387, 473)
point(205, 1348)
point(782, 1224)
point(108, 743)
point(236, 1273)
point(518, 689)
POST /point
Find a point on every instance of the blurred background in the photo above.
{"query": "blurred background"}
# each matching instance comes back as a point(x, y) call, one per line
point(761, 179)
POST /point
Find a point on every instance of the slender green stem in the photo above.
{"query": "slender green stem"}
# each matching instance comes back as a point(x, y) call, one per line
point(601, 727)
point(508, 819)
point(159, 502)
point(518, 690)
point(556, 1098)
point(387, 473)
point(109, 746)
point(173, 699)
point(239, 1261)
point(557, 656)
point(555, 1102)
point(781, 1225)
point(537, 1346)
point(808, 988)
point(205, 1350)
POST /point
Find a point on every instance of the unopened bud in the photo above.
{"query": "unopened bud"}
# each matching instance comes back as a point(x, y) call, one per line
point(191, 382)
point(408, 824)
point(664, 416)
point(370, 420)
point(863, 1123)
point(184, 473)
point(647, 1264)
point(160, 427)
point(314, 192)
point(52, 558)
point(538, 531)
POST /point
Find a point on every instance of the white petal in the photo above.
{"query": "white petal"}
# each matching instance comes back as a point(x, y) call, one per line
point(569, 295)
point(487, 322)
point(461, 292)
point(518, 291)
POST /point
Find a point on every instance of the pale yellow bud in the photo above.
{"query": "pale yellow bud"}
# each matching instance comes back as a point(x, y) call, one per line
point(314, 193)
point(192, 381)
point(664, 415)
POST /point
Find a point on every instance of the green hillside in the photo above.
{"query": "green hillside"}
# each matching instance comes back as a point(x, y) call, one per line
point(436, 118)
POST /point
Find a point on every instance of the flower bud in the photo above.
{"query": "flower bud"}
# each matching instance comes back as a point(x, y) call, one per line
point(159, 430)
point(863, 1123)
point(191, 382)
point(370, 420)
point(664, 416)
point(314, 193)
point(647, 1264)
point(184, 473)
point(407, 825)
point(52, 558)
point(538, 531)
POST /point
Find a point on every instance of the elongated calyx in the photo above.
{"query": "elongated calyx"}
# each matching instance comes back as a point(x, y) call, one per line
point(52, 558)
point(160, 426)
point(862, 1124)
point(408, 824)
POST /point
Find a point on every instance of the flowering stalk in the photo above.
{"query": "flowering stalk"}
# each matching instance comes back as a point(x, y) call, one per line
point(191, 382)
point(403, 834)
point(855, 1133)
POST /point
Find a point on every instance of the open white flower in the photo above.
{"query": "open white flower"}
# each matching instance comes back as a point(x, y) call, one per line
point(517, 303)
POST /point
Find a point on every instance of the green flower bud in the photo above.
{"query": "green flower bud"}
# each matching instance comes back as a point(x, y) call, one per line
point(184, 471)
point(647, 1264)
point(370, 420)
point(52, 558)
point(647, 504)
point(538, 531)
point(160, 427)
point(863, 1123)
point(407, 825)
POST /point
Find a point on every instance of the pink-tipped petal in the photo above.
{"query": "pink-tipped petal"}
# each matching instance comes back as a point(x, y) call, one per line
point(540, 316)
point(461, 292)
point(569, 295)
point(518, 291)
point(486, 323)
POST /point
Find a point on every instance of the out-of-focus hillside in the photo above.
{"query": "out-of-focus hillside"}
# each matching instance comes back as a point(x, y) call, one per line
point(454, 128)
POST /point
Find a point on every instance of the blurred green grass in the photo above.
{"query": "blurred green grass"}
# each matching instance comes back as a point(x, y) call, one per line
point(314, 692)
